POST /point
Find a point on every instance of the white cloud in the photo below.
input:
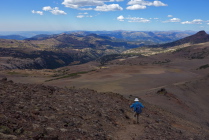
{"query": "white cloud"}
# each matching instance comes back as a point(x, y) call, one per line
point(136, 7)
point(186, 22)
point(54, 11)
point(170, 16)
point(47, 8)
point(85, 9)
point(173, 20)
point(137, 19)
point(158, 3)
point(83, 13)
point(80, 16)
point(89, 16)
point(195, 21)
point(120, 18)
point(133, 19)
point(75, 4)
point(142, 4)
point(80, 4)
point(111, 7)
point(37, 12)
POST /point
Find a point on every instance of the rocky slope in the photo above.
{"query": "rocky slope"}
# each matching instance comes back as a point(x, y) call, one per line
point(39, 112)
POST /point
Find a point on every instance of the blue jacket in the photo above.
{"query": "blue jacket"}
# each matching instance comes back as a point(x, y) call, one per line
point(137, 107)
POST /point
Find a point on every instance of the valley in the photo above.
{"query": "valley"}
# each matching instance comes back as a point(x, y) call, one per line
point(173, 86)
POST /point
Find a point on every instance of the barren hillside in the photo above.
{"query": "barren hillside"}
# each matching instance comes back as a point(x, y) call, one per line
point(44, 112)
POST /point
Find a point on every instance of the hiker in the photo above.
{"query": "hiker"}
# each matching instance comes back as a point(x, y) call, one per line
point(137, 108)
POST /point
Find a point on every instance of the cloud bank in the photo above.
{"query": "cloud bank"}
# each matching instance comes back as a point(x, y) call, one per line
point(195, 21)
point(142, 4)
point(100, 5)
point(111, 7)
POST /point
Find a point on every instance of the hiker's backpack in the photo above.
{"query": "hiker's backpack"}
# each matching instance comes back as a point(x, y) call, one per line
point(138, 109)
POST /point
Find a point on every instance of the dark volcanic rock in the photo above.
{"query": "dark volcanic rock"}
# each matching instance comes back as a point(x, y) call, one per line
point(38, 112)
point(44, 112)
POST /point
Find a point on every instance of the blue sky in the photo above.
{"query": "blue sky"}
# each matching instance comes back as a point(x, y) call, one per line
point(92, 15)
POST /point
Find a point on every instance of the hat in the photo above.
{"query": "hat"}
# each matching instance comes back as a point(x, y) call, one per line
point(136, 99)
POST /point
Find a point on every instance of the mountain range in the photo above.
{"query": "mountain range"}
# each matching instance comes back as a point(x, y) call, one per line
point(145, 37)
point(57, 50)
point(72, 99)
point(17, 37)
point(199, 37)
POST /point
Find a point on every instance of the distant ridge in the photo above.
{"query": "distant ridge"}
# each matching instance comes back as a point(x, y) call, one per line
point(199, 37)
point(16, 37)
point(147, 50)
point(40, 37)
point(58, 50)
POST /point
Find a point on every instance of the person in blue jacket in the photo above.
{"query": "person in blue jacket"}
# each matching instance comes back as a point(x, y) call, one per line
point(137, 106)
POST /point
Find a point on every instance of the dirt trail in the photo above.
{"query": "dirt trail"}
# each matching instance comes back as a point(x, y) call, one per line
point(130, 132)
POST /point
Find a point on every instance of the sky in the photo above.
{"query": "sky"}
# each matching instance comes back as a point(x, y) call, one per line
point(98, 15)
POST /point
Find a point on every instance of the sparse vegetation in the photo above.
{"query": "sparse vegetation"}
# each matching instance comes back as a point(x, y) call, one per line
point(13, 73)
point(162, 62)
point(69, 75)
point(199, 55)
point(105, 59)
point(204, 66)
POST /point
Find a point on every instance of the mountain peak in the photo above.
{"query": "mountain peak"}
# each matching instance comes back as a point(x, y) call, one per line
point(201, 33)
point(199, 37)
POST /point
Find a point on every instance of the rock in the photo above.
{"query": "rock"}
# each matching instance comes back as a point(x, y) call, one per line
point(157, 121)
point(7, 137)
point(10, 81)
point(5, 130)
point(162, 91)
point(50, 129)
point(19, 131)
point(35, 126)
point(4, 79)
point(39, 134)
point(63, 130)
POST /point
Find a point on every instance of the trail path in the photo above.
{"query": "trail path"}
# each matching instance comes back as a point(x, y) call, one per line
point(130, 132)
